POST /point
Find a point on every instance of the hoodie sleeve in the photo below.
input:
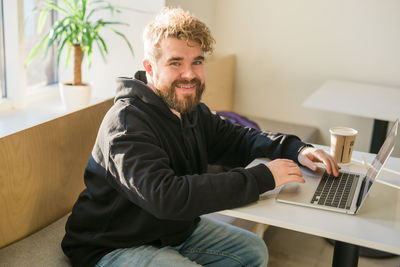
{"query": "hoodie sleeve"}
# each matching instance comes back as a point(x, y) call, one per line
point(234, 145)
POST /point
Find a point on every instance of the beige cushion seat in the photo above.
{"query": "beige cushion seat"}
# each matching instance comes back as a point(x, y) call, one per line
point(42, 248)
point(308, 134)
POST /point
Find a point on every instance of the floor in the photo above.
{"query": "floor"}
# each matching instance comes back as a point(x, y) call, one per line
point(293, 249)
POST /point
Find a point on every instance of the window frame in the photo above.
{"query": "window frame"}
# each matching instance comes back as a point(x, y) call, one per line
point(2, 54)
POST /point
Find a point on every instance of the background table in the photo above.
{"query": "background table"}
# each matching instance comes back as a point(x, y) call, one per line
point(380, 103)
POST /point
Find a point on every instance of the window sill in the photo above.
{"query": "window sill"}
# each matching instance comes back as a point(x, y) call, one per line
point(39, 109)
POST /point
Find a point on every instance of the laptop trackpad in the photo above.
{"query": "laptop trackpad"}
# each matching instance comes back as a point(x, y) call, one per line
point(303, 193)
point(290, 188)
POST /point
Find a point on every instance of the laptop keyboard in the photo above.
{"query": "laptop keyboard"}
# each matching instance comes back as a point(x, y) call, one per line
point(336, 192)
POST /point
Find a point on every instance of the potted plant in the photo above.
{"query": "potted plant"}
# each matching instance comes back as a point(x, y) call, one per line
point(76, 30)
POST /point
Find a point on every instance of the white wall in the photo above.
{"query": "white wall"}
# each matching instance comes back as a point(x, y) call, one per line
point(120, 62)
point(286, 49)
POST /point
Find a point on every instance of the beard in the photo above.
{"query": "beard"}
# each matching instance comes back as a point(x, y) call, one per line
point(188, 103)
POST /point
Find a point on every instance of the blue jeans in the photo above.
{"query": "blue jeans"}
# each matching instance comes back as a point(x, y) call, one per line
point(213, 243)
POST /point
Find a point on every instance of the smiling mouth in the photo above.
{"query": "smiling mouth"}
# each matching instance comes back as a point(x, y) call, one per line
point(186, 89)
point(186, 86)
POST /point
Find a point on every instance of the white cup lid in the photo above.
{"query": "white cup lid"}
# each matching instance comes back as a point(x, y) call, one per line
point(343, 131)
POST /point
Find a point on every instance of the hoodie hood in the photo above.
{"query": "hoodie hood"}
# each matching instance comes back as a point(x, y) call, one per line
point(129, 87)
point(137, 87)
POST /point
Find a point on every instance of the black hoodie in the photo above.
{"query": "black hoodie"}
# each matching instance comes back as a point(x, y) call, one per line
point(146, 180)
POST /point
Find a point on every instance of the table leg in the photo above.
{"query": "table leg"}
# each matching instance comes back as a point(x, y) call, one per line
point(345, 255)
point(378, 135)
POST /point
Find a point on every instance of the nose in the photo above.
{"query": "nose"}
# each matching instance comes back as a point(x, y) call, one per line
point(188, 73)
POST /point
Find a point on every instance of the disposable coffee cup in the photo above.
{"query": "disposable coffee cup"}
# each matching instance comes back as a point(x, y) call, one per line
point(342, 143)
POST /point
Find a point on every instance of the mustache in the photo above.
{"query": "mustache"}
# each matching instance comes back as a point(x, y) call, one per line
point(194, 80)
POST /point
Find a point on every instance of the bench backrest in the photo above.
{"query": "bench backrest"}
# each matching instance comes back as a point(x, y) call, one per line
point(220, 76)
point(41, 170)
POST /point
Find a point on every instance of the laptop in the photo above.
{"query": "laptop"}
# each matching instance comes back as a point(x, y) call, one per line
point(345, 193)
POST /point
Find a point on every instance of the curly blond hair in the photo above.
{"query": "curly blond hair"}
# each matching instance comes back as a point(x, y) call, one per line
point(175, 23)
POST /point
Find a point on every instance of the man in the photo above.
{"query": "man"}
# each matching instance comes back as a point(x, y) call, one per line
point(146, 180)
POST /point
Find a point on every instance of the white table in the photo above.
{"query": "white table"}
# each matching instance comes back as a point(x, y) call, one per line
point(377, 229)
point(380, 103)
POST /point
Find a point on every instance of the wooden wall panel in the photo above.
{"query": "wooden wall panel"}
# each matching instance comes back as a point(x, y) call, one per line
point(220, 75)
point(41, 170)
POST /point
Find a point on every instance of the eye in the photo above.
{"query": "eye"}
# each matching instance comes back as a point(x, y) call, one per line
point(175, 63)
point(198, 62)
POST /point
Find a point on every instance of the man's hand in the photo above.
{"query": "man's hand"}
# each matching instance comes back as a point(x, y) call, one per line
point(309, 155)
point(285, 171)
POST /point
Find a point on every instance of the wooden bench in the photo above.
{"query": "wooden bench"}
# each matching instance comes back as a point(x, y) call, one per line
point(41, 176)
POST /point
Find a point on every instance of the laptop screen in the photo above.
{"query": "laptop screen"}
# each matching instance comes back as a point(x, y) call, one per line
point(384, 152)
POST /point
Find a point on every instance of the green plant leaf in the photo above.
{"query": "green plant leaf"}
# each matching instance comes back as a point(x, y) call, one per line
point(114, 23)
point(77, 28)
point(89, 43)
point(68, 56)
point(45, 41)
point(68, 4)
point(95, 2)
point(35, 50)
point(89, 57)
point(42, 19)
point(84, 5)
point(109, 6)
point(126, 40)
point(54, 6)
point(102, 43)
point(94, 10)
point(50, 41)
point(56, 35)
point(60, 49)
point(101, 47)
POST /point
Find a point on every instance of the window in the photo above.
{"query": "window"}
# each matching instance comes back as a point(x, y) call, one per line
point(19, 35)
point(42, 70)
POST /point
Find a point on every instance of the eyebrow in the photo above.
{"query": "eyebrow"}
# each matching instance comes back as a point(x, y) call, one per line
point(175, 59)
point(181, 58)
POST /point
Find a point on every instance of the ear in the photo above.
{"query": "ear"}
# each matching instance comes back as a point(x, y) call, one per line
point(147, 66)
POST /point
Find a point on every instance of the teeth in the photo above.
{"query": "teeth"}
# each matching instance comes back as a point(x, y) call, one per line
point(186, 86)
